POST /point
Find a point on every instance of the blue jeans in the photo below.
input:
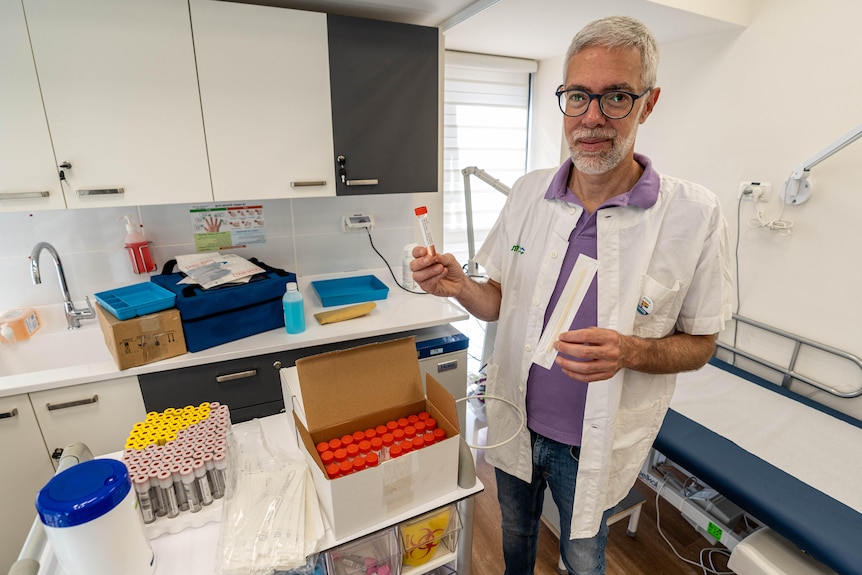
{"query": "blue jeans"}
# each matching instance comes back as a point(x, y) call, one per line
point(554, 465)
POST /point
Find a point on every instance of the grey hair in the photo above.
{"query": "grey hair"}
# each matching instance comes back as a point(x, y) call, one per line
point(619, 32)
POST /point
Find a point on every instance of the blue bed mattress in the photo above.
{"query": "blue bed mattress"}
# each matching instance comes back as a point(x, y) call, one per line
point(828, 530)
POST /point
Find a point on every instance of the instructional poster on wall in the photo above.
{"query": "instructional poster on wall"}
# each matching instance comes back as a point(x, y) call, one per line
point(225, 226)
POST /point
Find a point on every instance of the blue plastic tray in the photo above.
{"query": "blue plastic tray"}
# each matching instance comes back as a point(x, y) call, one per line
point(137, 299)
point(345, 291)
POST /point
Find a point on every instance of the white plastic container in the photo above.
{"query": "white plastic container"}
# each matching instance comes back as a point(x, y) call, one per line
point(406, 273)
point(89, 516)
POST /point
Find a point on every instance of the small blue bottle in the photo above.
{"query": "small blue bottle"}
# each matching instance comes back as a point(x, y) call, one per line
point(294, 311)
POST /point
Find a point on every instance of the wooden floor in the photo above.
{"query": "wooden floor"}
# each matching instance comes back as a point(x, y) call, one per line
point(644, 554)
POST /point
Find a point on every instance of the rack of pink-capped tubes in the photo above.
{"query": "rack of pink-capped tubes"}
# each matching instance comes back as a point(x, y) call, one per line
point(177, 460)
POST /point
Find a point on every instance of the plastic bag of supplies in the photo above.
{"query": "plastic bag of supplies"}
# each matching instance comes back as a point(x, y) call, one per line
point(271, 519)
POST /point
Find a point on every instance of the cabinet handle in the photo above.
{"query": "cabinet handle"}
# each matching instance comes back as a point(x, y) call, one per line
point(308, 184)
point(8, 414)
point(100, 192)
point(237, 375)
point(342, 173)
point(85, 401)
point(447, 366)
point(23, 195)
point(276, 364)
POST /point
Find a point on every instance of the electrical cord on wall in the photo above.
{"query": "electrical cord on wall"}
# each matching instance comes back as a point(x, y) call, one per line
point(783, 227)
point(371, 241)
point(761, 222)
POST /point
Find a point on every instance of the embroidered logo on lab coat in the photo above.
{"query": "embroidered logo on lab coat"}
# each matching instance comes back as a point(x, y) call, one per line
point(518, 249)
point(644, 307)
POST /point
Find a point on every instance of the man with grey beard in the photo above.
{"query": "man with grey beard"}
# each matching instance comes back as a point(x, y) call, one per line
point(606, 279)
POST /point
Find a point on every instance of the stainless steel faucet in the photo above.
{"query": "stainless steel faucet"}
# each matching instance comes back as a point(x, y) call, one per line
point(73, 316)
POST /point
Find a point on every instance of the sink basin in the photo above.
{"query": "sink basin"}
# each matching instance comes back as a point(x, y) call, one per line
point(54, 350)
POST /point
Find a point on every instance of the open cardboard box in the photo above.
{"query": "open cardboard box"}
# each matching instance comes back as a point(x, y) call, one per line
point(344, 391)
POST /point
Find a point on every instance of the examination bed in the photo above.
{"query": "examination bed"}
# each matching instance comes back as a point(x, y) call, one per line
point(790, 463)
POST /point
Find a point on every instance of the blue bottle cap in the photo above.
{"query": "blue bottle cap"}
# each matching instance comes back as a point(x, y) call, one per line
point(83, 492)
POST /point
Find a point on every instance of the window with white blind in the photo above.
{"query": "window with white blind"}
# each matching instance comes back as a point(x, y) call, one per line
point(486, 122)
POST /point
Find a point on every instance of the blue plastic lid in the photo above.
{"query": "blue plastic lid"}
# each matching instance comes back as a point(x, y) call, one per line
point(83, 492)
point(439, 340)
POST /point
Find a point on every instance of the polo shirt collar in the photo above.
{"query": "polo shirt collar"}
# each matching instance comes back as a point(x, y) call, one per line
point(643, 194)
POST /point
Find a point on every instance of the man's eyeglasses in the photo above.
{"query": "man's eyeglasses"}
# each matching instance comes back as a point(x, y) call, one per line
point(615, 104)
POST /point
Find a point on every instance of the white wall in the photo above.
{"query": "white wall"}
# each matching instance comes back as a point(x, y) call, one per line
point(546, 129)
point(303, 236)
point(751, 106)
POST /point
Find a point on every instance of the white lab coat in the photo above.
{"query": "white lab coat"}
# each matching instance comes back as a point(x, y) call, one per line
point(676, 253)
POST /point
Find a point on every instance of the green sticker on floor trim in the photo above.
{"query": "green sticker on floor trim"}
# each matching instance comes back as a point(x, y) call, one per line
point(714, 530)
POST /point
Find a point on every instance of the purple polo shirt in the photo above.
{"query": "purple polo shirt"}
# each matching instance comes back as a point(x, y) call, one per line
point(555, 403)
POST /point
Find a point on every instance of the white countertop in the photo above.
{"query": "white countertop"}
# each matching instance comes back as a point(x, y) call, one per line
point(80, 356)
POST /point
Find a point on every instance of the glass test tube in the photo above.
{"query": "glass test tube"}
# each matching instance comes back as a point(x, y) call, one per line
point(202, 482)
point(425, 227)
point(187, 476)
point(145, 500)
point(166, 489)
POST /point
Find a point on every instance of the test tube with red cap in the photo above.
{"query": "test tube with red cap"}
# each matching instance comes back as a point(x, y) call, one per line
point(425, 227)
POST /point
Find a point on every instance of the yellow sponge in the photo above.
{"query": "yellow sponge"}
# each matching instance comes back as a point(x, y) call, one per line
point(344, 313)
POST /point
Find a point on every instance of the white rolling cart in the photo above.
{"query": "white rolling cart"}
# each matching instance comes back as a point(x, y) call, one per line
point(193, 550)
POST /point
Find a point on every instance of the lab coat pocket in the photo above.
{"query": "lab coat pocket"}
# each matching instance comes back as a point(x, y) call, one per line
point(634, 433)
point(657, 308)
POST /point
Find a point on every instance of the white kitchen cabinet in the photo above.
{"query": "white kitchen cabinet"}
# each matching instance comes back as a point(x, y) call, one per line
point(28, 172)
point(120, 91)
point(26, 468)
point(265, 94)
point(99, 414)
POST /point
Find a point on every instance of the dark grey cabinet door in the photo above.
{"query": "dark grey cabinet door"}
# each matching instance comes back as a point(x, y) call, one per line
point(385, 106)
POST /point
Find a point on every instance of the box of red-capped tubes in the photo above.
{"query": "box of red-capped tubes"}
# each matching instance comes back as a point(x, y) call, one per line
point(376, 444)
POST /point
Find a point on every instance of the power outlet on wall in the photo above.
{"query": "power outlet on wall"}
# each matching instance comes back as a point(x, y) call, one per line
point(755, 191)
point(358, 222)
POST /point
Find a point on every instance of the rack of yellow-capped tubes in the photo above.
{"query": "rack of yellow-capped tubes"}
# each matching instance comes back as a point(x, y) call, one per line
point(177, 459)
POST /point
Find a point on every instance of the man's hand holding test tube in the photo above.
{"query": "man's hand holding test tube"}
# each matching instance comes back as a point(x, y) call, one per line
point(442, 275)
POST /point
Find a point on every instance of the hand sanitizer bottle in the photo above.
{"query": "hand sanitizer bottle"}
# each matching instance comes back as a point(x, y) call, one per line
point(294, 309)
point(138, 248)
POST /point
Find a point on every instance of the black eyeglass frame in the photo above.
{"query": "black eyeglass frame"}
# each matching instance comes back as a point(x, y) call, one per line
point(560, 91)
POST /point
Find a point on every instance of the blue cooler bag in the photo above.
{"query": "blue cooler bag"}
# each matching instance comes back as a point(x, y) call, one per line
point(228, 312)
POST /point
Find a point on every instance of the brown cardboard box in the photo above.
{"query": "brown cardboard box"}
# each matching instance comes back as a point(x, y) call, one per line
point(142, 339)
point(344, 391)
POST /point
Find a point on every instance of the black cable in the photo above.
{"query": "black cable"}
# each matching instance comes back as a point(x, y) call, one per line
point(390, 267)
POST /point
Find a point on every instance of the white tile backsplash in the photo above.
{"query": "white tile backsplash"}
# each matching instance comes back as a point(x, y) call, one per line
point(302, 235)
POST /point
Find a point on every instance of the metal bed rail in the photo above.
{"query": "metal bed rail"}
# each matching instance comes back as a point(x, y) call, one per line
point(789, 373)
